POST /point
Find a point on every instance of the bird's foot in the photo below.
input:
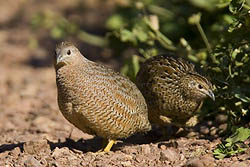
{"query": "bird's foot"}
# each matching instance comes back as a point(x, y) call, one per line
point(109, 146)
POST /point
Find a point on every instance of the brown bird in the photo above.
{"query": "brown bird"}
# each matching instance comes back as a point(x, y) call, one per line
point(96, 99)
point(173, 90)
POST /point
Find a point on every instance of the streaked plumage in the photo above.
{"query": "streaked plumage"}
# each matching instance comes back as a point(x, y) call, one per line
point(96, 99)
point(173, 90)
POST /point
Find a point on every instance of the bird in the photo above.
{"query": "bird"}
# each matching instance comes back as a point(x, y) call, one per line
point(96, 99)
point(173, 90)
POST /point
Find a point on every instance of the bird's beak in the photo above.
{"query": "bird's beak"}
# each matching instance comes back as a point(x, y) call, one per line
point(59, 61)
point(59, 58)
point(211, 95)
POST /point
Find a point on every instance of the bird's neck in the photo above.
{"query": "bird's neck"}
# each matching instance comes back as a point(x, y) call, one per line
point(190, 103)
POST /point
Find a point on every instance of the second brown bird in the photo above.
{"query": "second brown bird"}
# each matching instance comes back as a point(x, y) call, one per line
point(173, 90)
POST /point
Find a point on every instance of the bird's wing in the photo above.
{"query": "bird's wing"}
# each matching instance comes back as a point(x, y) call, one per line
point(116, 88)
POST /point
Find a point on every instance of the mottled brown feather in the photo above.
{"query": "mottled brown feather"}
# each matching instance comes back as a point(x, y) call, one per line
point(98, 100)
point(164, 81)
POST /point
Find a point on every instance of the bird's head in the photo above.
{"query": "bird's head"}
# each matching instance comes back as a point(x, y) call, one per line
point(197, 87)
point(66, 54)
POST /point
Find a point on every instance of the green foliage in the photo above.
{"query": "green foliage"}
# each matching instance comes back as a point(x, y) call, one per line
point(213, 33)
point(230, 71)
point(236, 5)
point(60, 28)
point(233, 144)
point(131, 67)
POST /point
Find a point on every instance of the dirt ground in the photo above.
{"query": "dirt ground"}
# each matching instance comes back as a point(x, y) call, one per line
point(33, 132)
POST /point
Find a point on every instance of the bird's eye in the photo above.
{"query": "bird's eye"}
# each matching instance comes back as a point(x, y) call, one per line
point(68, 52)
point(200, 86)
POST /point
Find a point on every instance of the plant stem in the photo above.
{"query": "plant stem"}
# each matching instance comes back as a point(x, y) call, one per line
point(92, 39)
point(246, 7)
point(203, 36)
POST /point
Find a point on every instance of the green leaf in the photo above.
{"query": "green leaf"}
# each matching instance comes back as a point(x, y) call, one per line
point(205, 4)
point(136, 66)
point(240, 135)
point(140, 34)
point(236, 5)
point(116, 21)
point(127, 36)
point(232, 146)
point(57, 32)
point(243, 98)
point(234, 26)
point(131, 67)
point(219, 152)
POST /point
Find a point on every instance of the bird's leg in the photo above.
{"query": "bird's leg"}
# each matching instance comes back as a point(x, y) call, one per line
point(169, 131)
point(106, 144)
point(110, 144)
point(166, 132)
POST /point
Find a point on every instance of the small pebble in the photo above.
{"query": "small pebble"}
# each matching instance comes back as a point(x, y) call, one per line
point(36, 146)
point(163, 147)
point(207, 160)
point(15, 152)
point(204, 130)
point(221, 118)
point(31, 162)
point(145, 149)
point(213, 131)
point(126, 163)
point(169, 155)
point(238, 164)
point(223, 127)
point(194, 163)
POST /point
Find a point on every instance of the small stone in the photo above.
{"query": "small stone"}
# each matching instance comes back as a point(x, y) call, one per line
point(209, 123)
point(213, 131)
point(15, 152)
point(140, 159)
point(221, 118)
point(238, 164)
point(58, 152)
point(207, 160)
point(43, 162)
point(169, 155)
point(126, 163)
point(163, 147)
point(54, 164)
point(204, 130)
point(83, 163)
point(194, 163)
point(128, 150)
point(31, 162)
point(145, 149)
point(128, 157)
point(234, 159)
point(223, 127)
point(36, 146)
point(192, 134)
